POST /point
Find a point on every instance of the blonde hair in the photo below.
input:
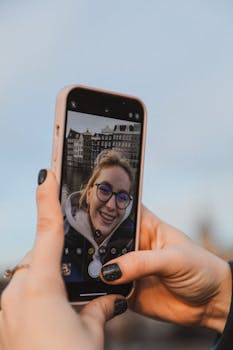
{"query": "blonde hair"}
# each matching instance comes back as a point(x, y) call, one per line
point(105, 159)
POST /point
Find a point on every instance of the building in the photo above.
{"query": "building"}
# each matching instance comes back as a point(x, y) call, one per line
point(126, 139)
point(101, 141)
point(87, 136)
point(82, 149)
point(74, 149)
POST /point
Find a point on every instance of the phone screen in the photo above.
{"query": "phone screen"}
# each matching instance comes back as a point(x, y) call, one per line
point(99, 188)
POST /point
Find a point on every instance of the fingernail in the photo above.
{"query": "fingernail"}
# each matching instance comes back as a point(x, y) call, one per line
point(120, 307)
point(111, 272)
point(42, 176)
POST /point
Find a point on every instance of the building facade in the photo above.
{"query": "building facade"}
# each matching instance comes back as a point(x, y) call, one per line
point(81, 149)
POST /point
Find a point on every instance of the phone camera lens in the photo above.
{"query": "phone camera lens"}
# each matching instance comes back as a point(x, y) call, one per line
point(73, 104)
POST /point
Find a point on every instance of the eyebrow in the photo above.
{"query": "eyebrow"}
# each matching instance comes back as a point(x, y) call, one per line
point(120, 191)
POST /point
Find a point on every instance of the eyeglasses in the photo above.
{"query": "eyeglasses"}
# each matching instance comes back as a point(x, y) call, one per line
point(104, 193)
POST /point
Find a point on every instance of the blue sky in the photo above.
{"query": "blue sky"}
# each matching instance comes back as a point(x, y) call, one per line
point(82, 122)
point(177, 56)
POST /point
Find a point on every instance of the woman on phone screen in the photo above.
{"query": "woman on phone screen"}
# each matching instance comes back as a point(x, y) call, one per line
point(99, 227)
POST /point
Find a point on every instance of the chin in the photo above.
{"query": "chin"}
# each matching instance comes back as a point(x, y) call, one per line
point(106, 232)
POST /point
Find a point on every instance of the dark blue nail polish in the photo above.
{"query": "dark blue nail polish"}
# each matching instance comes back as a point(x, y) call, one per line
point(111, 272)
point(42, 176)
point(120, 306)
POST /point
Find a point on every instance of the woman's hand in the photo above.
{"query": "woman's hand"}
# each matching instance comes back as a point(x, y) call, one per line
point(35, 312)
point(177, 280)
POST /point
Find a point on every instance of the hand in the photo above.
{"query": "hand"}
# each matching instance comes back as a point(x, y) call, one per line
point(35, 312)
point(177, 280)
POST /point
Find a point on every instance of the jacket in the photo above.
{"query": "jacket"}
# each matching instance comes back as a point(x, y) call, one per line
point(82, 256)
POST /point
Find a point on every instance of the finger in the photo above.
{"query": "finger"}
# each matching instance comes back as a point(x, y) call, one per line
point(135, 265)
point(16, 282)
point(20, 269)
point(50, 236)
point(104, 308)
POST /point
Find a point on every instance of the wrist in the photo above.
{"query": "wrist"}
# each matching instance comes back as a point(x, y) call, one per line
point(218, 309)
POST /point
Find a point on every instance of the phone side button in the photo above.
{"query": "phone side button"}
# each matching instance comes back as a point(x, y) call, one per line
point(55, 150)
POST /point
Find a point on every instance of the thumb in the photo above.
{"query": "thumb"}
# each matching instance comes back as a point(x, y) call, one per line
point(139, 264)
point(49, 238)
point(104, 308)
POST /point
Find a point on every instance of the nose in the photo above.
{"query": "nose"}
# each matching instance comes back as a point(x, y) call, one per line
point(111, 203)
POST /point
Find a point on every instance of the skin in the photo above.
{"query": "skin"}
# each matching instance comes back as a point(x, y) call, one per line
point(105, 216)
point(35, 311)
point(177, 280)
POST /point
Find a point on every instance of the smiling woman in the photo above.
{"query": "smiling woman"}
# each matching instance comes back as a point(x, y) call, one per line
point(106, 210)
point(98, 226)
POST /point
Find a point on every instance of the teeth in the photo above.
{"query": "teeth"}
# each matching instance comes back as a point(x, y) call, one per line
point(107, 217)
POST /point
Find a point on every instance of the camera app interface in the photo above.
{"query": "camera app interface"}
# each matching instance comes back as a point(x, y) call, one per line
point(100, 175)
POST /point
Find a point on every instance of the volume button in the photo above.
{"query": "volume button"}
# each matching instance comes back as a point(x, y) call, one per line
point(55, 150)
point(56, 138)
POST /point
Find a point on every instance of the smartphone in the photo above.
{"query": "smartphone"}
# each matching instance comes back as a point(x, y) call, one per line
point(98, 152)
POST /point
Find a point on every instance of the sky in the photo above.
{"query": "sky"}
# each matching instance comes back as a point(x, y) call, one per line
point(82, 122)
point(177, 56)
